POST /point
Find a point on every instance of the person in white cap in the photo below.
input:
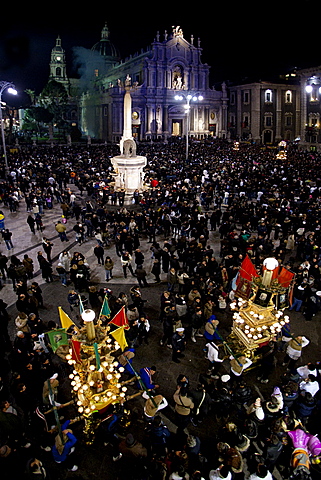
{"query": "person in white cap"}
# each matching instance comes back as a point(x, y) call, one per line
point(49, 397)
point(178, 344)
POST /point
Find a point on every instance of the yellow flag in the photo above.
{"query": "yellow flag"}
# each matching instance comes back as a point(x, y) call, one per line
point(119, 336)
point(66, 322)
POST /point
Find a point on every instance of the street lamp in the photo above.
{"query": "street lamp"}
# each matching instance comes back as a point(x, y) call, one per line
point(11, 89)
point(188, 98)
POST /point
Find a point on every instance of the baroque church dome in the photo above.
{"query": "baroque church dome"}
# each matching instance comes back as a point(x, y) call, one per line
point(105, 47)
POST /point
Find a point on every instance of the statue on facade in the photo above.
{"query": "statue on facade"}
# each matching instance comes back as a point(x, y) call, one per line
point(128, 81)
point(177, 78)
point(177, 31)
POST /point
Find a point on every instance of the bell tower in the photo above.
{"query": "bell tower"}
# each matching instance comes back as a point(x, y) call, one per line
point(58, 64)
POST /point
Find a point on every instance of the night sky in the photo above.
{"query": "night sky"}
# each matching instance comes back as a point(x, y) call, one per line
point(239, 40)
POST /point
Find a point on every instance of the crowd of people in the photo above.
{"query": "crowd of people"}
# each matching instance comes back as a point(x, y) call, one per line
point(259, 206)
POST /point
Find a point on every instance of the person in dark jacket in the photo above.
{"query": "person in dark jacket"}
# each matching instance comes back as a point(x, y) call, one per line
point(178, 344)
point(141, 275)
point(202, 404)
point(158, 435)
point(62, 452)
point(99, 254)
point(305, 406)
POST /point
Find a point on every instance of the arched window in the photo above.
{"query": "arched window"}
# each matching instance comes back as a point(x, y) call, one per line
point(288, 96)
point(268, 96)
point(58, 72)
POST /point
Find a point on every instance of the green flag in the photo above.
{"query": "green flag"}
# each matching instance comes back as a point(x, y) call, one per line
point(57, 338)
point(97, 356)
point(81, 306)
point(105, 310)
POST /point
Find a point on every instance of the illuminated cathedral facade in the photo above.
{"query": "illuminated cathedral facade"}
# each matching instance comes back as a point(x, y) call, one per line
point(170, 91)
point(172, 96)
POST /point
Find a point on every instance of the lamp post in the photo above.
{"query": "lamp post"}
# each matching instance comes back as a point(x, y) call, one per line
point(11, 89)
point(188, 98)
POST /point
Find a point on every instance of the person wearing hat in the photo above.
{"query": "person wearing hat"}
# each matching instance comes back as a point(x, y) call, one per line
point(238, 365)
point(210, 328)
point(294, 350)
point(50, 392)
point(178, 344)
point(152, 405)
point(256, 411)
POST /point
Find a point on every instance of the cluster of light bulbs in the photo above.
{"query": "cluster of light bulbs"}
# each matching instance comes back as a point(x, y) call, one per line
point(258, 332)
point(87, 387)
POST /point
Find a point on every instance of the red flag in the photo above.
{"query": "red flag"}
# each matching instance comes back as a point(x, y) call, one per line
point(120, 319)
point(75, 350)
point(247, 269)
point(285, 277)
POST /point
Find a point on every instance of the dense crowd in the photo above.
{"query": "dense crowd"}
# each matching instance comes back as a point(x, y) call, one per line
point(260, 206)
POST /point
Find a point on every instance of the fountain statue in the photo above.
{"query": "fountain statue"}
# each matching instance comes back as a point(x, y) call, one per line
point(128, 165)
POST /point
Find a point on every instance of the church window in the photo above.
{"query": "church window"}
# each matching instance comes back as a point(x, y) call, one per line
point(268, 96)
point(288, 120)
point(58, 72)
point(288, 96)
point(246, 97)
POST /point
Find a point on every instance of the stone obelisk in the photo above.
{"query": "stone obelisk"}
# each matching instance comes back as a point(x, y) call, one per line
point(128, 166)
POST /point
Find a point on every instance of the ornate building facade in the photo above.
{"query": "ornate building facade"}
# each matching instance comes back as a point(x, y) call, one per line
point(171, 96)
point(264, 112)
point(310, 93)
point(170, 92)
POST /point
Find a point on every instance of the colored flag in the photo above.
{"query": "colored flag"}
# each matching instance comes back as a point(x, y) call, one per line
point(247, 270)
point(65, 321)
point(119, 336)
point(285, 277)
point(105, 310)
point(57, 338)
point(120, 319)
point(97, 356)
point(81, 306)
point(75, 350)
